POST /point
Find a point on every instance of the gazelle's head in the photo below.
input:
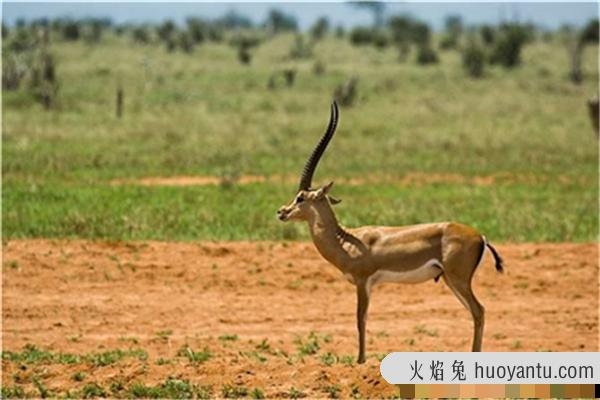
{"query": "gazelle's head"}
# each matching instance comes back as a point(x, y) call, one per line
point(307, 199)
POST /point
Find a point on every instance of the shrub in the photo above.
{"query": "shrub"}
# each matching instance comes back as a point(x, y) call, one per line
point(140, 35)
point(405, 29)
point(185, 42)
point(487, 34)
point(426, 55)
point(197, 29)
point(361, 35)
point(278, 22)
point(507, 48)
point(165, 30)
point(473, 59)
point(70, 30)
point(13, 71)
point(590, 32)
point(320, 28)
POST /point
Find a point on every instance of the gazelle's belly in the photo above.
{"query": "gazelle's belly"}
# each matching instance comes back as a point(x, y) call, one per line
point(431, 269)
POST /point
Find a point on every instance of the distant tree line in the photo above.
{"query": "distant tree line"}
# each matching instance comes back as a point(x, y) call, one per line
point(28, 60)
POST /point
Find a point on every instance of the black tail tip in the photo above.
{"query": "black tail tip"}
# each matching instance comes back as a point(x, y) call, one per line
point(497, 258)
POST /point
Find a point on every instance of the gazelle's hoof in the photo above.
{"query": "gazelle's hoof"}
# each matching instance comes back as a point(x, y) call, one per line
point(361, 359)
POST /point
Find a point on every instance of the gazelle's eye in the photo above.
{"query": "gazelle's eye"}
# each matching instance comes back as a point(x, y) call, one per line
point(300, 199)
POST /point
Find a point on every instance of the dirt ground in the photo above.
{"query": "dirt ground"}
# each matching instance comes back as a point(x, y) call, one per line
point(82, 297)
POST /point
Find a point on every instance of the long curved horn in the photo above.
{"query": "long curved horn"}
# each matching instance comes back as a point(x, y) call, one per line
point(313, 160)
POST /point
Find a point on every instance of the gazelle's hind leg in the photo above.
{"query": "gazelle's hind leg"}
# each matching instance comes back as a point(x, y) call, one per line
point(460, 262)
point(462, 290)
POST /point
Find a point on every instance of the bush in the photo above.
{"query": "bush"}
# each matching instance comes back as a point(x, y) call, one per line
point(473, 59)
point(507, 48)
point(406, 29)
point(361, 36)
point(140, 35)
point(165, 30)
point(13, 72)
point(380, 39)
point(426, 55)
point(320, 28)
point(185, 41)
point(590, 32)
point(487, 34)
point(21, 41)
point(197, 29)
point(70, 30)
point(278, 22)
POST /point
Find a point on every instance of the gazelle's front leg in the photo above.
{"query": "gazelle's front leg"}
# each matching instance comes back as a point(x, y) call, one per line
point(363, 293)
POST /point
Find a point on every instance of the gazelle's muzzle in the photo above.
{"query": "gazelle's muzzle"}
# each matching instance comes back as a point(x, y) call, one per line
point(283, 213)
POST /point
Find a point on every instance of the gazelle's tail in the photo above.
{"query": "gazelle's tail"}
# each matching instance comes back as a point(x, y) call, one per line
point(497, 258)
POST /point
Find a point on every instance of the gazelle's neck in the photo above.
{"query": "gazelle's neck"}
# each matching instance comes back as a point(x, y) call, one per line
point(328, 236)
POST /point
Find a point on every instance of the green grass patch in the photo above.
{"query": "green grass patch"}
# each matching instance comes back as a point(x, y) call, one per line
point(31, 354)
point(195, 356)
point(509, 212)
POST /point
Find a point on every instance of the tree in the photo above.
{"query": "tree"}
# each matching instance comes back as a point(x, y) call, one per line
point(377, 8)
point(233, 20)
point(166, 30)
point(453, 31)
point(278, 22)
point(320, 28)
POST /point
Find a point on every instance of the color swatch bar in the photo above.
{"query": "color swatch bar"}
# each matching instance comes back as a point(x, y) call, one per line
point(500, 391)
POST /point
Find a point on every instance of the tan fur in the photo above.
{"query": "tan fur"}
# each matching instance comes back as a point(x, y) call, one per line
point(410, 254)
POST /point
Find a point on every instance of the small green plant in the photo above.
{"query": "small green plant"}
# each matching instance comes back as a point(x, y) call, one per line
point(333, 391)
point(355, 392)
point(422, 329)
point(195, 356)
point(296, 394)
point(15, 392)
point(329, 359)
point(78, 376)
point(347, 360)
point(310, 346)
point(39, 385)
point(92, 390)
point(234, 392)
point(257, 393)
point(228, 338)
point(164, 334)
point(264, 345)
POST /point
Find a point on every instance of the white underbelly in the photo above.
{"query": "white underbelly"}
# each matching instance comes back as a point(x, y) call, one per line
point(427, 271)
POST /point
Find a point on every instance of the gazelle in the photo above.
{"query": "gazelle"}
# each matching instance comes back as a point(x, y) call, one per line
point(374, 254)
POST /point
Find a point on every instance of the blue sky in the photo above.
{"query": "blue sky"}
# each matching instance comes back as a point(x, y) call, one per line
point(548, 15)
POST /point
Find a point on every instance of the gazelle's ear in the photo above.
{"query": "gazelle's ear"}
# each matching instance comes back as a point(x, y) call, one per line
point(322, 192)
point(333, 200)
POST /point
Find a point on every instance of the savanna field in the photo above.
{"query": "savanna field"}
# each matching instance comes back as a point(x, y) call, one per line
point(142, 256)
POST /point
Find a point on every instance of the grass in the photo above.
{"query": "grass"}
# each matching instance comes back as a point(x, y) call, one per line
point(31, 354)
point(515, 212)
point(195, 356)
point(206, 114)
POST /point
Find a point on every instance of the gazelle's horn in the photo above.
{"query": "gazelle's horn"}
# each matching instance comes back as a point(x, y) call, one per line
point(313, 160)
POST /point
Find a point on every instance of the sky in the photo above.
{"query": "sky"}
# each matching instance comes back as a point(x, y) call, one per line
point(546, 15)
